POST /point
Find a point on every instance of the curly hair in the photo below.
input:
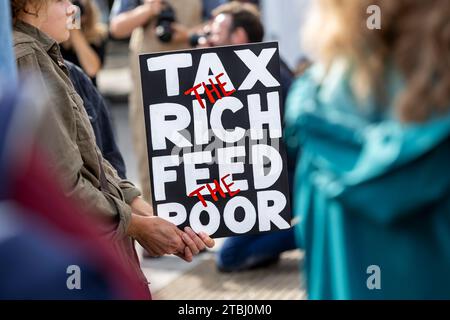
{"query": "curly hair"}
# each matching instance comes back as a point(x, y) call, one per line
point(414, 37)
point(91, 26)
point(18, 7)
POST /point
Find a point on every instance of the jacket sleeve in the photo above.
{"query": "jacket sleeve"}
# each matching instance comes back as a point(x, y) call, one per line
point(128, 189)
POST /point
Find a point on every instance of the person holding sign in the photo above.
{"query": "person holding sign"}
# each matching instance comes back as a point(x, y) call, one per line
point(68, 138)
point(213, 120)
point(225, 147)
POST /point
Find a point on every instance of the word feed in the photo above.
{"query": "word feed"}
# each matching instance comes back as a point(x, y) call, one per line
point(213, 123)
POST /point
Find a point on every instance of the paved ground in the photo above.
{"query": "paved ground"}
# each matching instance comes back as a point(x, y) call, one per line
point(203, 281)
point(171, 277)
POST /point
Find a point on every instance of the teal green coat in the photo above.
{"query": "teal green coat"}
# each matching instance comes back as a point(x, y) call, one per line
point(368, 191)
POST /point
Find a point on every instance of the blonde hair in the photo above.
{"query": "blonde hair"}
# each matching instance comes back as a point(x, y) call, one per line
point(93, 29)
point(414, 38)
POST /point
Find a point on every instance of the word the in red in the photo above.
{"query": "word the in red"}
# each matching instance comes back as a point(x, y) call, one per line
point(217, 189)
point(209, 92)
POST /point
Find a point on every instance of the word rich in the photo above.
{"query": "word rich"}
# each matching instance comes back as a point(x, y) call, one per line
point(214, 137)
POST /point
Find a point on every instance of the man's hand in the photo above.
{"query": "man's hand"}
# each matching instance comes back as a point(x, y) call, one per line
point(160, 237)
point(156, 235)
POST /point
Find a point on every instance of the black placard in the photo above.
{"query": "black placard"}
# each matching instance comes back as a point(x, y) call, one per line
point(226, 130)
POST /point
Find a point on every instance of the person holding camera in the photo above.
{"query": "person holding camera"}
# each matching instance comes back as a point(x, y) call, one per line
point(86, 46)
point(154, 26)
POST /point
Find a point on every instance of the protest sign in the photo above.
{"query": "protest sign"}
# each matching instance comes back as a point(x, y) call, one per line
point(213, 120)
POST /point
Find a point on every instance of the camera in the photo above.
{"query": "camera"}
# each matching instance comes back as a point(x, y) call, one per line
point(164, 21)
point(197, 39)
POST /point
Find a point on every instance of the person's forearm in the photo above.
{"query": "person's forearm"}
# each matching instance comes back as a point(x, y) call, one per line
point(123, 25)
point(140, 207)
point(89, 60)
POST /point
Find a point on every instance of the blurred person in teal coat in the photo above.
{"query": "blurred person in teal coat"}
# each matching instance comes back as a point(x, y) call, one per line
point(372, 121)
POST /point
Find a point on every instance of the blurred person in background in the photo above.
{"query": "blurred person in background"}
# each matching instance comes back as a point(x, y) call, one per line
point(154, 26)
point(68, 138)
point(372, 120)
point(86, 46)
point(238, 23)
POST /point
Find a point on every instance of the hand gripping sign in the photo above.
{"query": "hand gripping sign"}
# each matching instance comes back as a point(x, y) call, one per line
point(214, 137)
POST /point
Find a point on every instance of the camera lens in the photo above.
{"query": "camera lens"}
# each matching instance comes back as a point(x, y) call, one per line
point(163, 25)
point(198, 39)
point(164, 32)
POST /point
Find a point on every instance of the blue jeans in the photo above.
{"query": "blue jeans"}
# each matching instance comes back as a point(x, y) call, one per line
point(252, 251)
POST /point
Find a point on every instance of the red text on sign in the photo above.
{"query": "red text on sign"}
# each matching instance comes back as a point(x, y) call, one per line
point(217, 189)
point(210, 92)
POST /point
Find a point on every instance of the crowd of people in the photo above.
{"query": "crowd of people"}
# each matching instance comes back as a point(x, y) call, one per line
point(366, 128)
